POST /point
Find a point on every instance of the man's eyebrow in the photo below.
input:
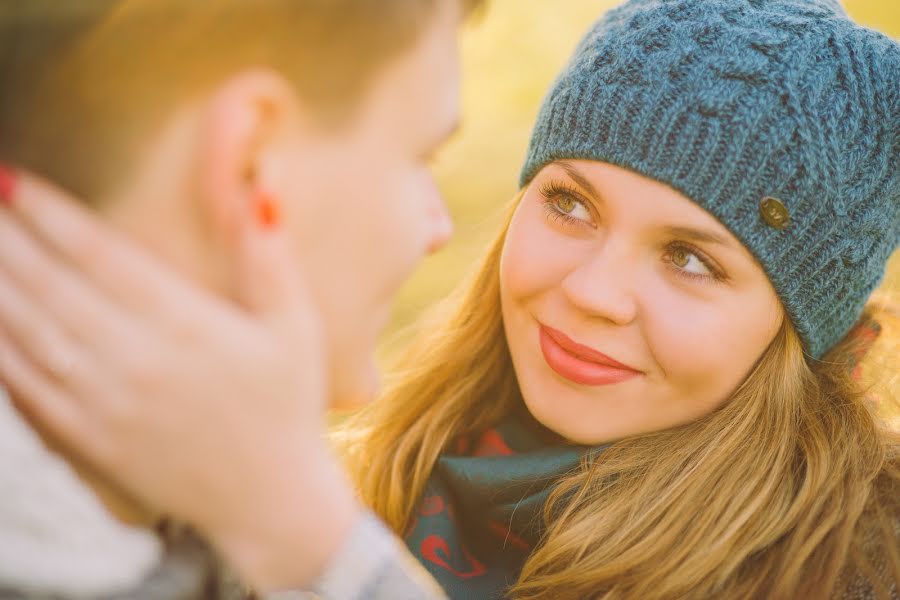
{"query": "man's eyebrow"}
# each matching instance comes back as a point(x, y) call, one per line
point(449, 132)
point(580, 179)
point(698, 235)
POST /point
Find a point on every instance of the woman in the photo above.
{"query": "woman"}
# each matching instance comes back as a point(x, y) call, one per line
point(646, 390)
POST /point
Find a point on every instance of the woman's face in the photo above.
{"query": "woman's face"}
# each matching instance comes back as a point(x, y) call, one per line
point(627, 307)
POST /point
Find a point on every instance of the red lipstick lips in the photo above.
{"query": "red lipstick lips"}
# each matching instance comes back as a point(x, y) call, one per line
point(581, 364)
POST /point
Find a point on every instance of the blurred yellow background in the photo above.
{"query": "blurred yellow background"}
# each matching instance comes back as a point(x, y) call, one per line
point(510, 57)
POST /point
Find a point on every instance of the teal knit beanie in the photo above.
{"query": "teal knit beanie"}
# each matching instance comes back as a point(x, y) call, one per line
point(779, 117)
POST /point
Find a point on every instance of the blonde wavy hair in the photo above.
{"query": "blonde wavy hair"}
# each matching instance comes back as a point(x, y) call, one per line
point(790, 490)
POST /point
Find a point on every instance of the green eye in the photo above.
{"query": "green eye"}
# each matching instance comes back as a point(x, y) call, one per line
point(690, 262)
point(681, 258)
point(566, 204)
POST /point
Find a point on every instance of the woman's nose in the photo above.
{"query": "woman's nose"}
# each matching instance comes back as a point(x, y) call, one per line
point(602, 286)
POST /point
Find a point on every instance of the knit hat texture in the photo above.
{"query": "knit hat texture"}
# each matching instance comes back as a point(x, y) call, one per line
point(779, 117)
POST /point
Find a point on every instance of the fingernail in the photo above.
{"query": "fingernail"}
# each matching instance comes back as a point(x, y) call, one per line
point(267, 212)
point(7, 185)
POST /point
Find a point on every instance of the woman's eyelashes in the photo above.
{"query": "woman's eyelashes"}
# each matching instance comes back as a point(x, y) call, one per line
point(565, 204)
point(688, 261)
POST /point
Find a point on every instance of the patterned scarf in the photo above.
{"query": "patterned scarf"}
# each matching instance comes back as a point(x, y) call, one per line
point(481, 512)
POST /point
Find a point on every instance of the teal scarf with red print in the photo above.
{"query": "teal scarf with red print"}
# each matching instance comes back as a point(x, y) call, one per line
point(481, 513)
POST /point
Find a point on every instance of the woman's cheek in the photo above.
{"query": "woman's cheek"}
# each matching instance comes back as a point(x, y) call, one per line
point(519, 275)
point(707, 344)
point(535, 257)
point(691, 345)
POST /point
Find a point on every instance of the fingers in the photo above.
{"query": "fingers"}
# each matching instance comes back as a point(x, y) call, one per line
point(269, 277)
point(118, 267)
point(38, 340)
point(40, 400)
point(52, 291)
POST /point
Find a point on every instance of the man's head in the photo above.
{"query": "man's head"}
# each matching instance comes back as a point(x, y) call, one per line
point(175, 117)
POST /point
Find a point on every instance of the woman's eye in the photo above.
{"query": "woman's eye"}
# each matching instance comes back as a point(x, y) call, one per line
point(571, 207)
point(564, 204)
point(687, 261)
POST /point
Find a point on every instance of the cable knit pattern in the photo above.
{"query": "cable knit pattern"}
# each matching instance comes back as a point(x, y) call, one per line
point(56, 538)
point(734, 101)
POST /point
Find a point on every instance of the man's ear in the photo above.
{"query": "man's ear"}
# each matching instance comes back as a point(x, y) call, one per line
point(243, 123)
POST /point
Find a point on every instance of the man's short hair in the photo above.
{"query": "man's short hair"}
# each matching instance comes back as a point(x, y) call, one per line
point(84, 81)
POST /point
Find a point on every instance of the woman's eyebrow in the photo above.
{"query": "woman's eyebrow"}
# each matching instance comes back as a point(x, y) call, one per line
point(698, 235)
point(689, 233)
point(580, 179)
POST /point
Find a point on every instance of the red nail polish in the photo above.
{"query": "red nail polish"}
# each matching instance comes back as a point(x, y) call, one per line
point(7, 185)
point(267, 211)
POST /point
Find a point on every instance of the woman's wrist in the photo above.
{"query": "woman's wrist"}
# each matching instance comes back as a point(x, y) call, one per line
point(286, 535)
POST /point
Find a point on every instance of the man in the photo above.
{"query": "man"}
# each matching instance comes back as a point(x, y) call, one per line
point(240, 159)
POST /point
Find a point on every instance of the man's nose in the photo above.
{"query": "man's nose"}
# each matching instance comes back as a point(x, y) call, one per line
point(441, 225)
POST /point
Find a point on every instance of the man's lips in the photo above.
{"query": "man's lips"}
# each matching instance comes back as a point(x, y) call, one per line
point(581, 364)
